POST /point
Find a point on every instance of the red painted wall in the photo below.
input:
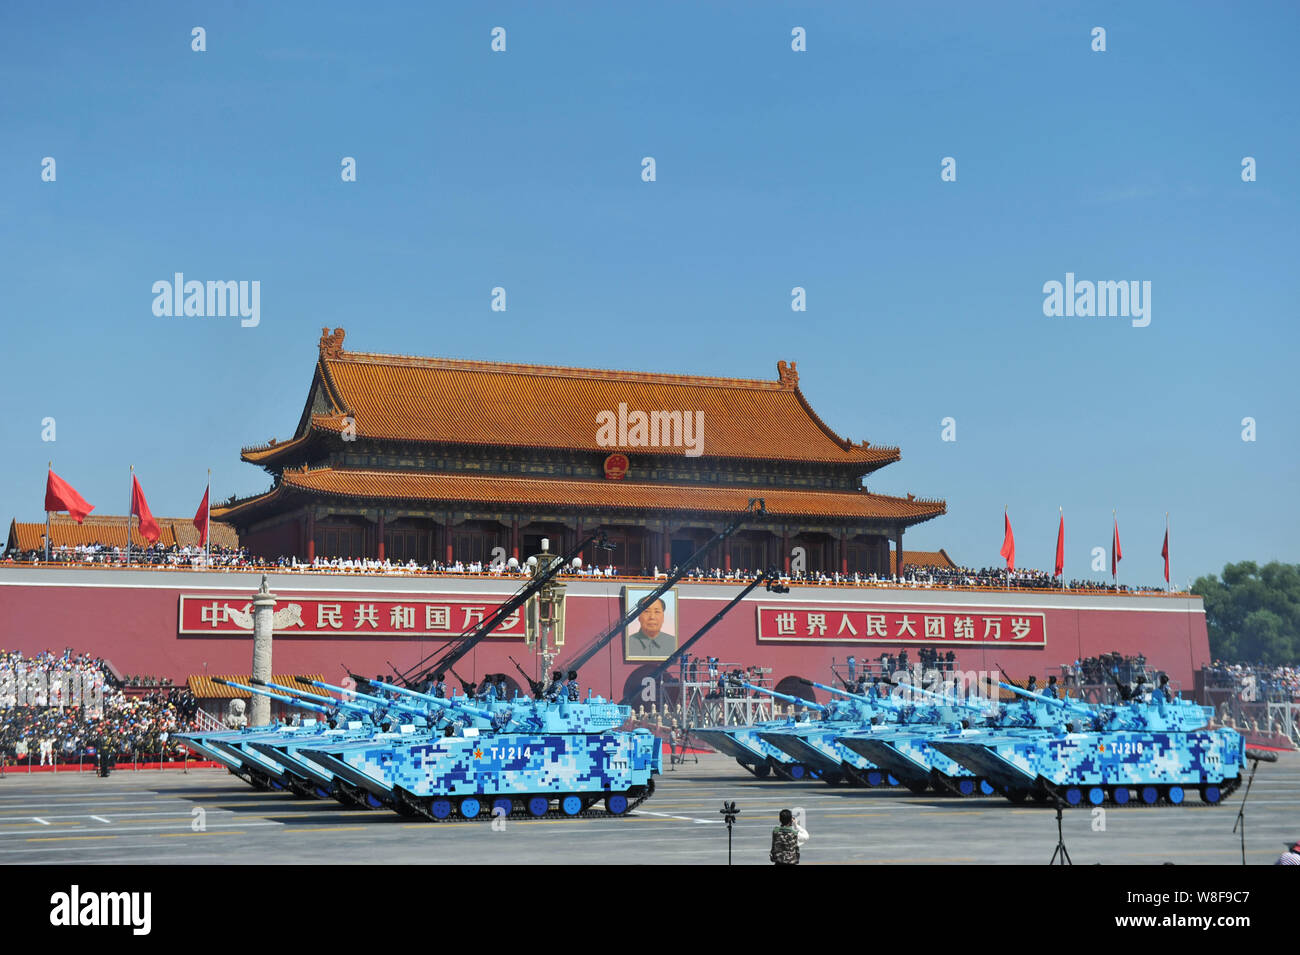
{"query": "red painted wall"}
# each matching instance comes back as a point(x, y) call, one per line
point(130, 617)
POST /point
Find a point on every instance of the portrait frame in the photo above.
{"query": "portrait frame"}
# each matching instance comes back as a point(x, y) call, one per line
point(633, 650)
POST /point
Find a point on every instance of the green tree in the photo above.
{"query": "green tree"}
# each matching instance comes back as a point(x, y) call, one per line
point(1253, 612)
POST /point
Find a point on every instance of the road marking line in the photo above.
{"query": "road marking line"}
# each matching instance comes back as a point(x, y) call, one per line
point(181, 835)
point(66, 838)
point(100, 819)
point(41, 821)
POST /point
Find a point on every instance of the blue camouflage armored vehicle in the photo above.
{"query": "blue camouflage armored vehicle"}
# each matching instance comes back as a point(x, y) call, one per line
point(799, 747)
point(265, 756)
point(1141, 752)
point(521, 757)
point(812, 743)
point(895, 742)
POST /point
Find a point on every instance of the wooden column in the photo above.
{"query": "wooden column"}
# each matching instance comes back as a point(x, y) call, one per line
point(311, 535)
point(726, 555)
point(667, 543)
point(379, 537)
point(898, 550)
point(785, 549)
point(844, 552)
point(446, 536)
point(514, 537)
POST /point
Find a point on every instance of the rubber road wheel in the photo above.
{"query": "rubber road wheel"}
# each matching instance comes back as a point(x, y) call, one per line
point(1120, 795)
point(986, 787)
point(440, 808)
point(797, 771)
point(1176, 795)
point(1074, 795)
point(875, 778)
point(616, 804)
point(571, 805)
point(502, 806)
point(538, 805)
point(469, 807)
point(1211, 794)
point(965, 786)
point(1096, 795)
point(1150, 795)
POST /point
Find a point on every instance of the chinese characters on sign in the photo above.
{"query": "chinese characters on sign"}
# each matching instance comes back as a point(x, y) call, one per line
point(343, 616)
point(1009, 628)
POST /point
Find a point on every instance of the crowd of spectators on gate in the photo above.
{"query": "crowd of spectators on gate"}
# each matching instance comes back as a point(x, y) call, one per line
point(61, 708)
point(917, 576)
point(928, 577)
point(142, 553)
point(1255, 683)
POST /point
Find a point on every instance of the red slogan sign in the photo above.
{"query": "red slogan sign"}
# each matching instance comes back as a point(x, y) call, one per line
point(953, 628)
point(343, 616)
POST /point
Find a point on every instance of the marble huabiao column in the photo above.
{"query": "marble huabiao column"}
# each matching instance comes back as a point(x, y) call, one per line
point(263, 622)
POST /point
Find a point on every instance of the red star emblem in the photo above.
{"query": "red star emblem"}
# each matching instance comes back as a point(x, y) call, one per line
point(478, 754)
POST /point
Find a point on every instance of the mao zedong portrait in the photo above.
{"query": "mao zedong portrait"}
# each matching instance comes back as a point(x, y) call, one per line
point(650, 640)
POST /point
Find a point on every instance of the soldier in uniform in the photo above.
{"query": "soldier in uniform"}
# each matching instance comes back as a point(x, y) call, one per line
point(572, 686)
point(488, 691)
point(1162, 693)
point(502, 691)
point(440, 687)
point(556, 687)
point(1032, 684)
point(1051, 689)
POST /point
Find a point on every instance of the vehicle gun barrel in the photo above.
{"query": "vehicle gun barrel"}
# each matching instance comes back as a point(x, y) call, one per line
point(884, 701)
point(310, 697)
point(1040, 698)
point(259, 691)
point(797, 700)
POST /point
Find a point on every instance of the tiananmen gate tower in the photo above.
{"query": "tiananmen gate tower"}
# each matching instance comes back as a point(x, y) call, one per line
point(399, 458)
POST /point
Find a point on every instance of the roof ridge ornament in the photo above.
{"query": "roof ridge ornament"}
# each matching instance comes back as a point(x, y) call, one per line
point(331, 345)
point(785, 371)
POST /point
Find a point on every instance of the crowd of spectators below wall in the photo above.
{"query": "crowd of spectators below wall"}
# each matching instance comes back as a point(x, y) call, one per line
point(49, 726)
point(1251, 683)
point(929, 577)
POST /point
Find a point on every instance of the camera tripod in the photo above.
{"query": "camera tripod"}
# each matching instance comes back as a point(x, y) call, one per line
point(1061, 852)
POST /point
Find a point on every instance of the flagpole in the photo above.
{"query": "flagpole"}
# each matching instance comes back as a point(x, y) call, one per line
point(1169, 581)
point(207, 525)
point(47, 518)
point(1114, 556)
point(1062, 510)
point(129, 507)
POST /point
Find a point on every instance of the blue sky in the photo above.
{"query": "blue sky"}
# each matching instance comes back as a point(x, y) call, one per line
point(775, 169)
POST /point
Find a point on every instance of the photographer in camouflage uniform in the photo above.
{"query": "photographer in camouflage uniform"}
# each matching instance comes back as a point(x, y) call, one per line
point(786, 839)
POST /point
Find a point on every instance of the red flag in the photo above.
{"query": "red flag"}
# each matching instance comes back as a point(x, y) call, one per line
point(1060, 547)
point(201, 519)
point(61, 496)
point(139, 507)
point(1164, 552)
point(1116, 555)
point(1008, 544)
